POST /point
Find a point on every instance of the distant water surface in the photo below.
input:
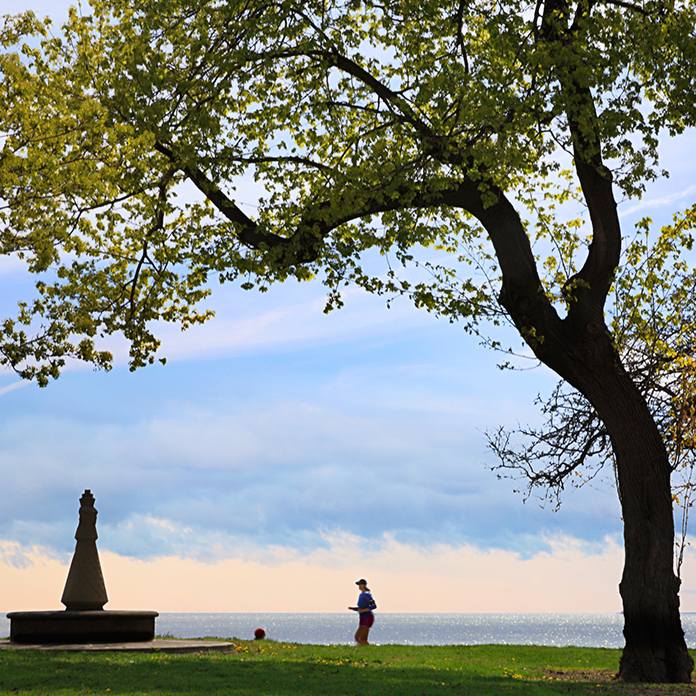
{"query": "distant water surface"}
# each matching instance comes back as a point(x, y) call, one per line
point(586, 630)
point(591, 630)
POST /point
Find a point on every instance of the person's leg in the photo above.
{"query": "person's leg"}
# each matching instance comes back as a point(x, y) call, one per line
point(361, 635)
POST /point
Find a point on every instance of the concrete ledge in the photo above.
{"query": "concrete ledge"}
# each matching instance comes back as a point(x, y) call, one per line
point(63, 627)
point(159, 645)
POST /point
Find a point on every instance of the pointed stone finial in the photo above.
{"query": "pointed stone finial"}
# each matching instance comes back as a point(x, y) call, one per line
point(84, 588)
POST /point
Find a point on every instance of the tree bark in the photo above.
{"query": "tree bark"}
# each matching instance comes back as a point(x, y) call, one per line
point(655, 647)
point(579, 348)
point(581, 352)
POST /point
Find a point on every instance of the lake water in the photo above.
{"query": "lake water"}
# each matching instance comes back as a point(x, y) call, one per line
point(588, 630)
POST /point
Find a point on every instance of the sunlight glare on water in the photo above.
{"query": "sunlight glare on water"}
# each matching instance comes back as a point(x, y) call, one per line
point(589, 630)
point(584, 630)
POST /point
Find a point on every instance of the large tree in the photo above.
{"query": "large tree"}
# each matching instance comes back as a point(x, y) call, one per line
point(460, 125)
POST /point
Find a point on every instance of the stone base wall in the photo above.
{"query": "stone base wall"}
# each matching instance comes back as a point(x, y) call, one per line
point(43, 627)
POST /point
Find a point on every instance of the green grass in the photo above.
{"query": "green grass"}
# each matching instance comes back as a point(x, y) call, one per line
point(268, 668)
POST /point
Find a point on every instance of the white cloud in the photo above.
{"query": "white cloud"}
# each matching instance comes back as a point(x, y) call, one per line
point(274, 473)
point(658, 202)
point(13, 386)
point(285, 318)
point(573, 576)
point(274, 448)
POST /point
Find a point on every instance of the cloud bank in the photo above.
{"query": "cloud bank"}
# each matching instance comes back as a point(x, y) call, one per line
point(572, 576)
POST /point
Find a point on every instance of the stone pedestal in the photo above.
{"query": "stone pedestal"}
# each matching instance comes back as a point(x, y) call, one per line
point(84, 620)
point(44, 627)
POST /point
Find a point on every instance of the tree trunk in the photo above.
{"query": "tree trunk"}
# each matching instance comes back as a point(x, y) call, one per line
point(655, 647)
point(581, 351)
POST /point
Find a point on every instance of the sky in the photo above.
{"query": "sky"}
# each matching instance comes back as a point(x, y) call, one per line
point(282, 453)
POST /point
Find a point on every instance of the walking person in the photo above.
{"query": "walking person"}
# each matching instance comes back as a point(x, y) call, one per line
point(365, 606)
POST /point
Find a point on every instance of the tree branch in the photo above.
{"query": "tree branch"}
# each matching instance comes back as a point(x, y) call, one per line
point(628, 6)
point(593, 281)
point(247, 230)
point(394, 101)
point(460, 35)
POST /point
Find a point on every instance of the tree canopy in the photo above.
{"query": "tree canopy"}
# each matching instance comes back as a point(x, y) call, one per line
point(484, 140)
point(369, 126)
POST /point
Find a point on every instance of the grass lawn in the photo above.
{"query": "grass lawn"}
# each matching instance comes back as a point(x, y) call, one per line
point(267, 668)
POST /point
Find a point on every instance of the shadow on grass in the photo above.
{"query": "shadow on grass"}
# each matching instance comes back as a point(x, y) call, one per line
point(65, 674)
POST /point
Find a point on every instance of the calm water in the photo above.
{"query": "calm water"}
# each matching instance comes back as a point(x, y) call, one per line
point(589, 630)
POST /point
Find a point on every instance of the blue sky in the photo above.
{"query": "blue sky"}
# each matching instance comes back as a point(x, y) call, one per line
point(276, 429)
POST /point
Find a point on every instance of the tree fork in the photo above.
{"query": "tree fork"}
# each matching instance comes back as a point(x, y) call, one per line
point(581, 352)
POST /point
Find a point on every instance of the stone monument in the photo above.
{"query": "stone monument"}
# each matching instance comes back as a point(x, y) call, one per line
point(84, 588)
point(84, 619)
